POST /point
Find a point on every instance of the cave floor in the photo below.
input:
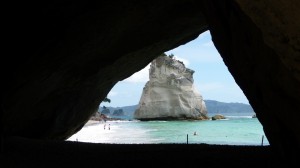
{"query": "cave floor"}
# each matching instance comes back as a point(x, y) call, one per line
point(22, 152)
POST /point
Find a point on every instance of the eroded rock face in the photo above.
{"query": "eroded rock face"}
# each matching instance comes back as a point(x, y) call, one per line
point(170, 93)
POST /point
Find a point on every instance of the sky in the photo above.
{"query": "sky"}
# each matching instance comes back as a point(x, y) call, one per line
point(211, 78)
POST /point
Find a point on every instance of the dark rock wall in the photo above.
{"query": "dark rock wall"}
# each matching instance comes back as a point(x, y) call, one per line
point(260, 46)
point(63, 58)
point(280, 33)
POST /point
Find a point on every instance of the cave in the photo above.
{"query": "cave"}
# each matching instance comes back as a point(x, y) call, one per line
point(62, 58)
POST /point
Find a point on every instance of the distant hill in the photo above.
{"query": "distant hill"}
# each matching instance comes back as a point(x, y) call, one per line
point(213, 107)
point(128, 110)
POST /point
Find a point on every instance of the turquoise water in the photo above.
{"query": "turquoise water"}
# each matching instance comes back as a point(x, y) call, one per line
point(235, 130)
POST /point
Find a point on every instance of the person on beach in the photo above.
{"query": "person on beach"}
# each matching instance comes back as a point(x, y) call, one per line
point(104, 126)
point(108, 126)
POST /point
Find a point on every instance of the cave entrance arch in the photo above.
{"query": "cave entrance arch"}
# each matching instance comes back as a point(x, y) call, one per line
point(218, 88)
point(68, 63)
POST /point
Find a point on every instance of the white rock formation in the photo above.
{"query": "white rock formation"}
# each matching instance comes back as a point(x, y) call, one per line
point(170, 93)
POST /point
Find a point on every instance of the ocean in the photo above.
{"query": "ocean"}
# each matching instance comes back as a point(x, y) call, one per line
point(236, 129)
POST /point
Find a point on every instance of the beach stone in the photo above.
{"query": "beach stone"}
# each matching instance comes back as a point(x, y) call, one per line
point(170, 93)
point(218, 117)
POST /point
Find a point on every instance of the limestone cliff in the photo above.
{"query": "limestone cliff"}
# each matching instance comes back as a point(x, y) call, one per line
point(170, 93)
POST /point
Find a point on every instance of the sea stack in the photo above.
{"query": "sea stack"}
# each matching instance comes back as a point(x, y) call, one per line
point(170, 93)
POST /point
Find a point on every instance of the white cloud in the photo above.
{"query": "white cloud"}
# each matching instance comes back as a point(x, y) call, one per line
point(112, 93)
point(141, 76)
point(208, 44)
point(185, 61)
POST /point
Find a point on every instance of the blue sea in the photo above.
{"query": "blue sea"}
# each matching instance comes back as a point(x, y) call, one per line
point(237, 129)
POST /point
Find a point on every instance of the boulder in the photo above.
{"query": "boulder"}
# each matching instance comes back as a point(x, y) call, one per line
point(218, 117)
